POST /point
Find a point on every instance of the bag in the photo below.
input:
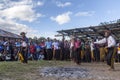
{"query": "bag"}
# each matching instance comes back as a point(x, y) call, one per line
point(20, 56)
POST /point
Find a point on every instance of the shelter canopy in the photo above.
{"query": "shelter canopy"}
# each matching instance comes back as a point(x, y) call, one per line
point(93, 31)
point(8, 34)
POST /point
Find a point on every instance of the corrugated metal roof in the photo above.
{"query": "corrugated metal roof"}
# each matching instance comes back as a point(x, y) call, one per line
point(93, 31)
point(4, 33)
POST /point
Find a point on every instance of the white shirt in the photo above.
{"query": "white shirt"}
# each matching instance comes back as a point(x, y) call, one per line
point(118, 52)
point(71, 45)
point(92, 46)
point(56, 45)
point(5, 43)
point(24, 44)
point(110, 41)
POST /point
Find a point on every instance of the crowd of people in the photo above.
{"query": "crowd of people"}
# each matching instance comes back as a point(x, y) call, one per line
point(76, 49)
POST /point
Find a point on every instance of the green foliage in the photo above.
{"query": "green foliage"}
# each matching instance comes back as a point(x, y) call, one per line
point(35, 39)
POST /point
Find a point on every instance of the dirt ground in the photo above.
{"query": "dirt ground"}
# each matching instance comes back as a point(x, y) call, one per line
point(99, 71)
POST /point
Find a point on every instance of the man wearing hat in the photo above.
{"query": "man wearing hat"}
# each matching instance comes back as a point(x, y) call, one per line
point(24, 47)
point(111, 46)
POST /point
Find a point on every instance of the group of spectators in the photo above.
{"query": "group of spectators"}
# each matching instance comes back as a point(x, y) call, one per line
point(9, 49)
point(74, 49)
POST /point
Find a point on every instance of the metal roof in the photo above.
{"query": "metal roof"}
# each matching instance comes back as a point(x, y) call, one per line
point(4, 33)
point(93, 31)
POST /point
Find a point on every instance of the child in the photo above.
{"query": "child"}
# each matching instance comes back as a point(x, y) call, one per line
point(40, 52)
point(32, 51)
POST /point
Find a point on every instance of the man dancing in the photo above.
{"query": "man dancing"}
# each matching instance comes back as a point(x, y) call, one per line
point(24, 47)
point(110, 45)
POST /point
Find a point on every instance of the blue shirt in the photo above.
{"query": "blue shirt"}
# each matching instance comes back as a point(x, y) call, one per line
point(18, 44)
point(1, 48)
point(26, 39)
point(38, 48)
point(48, 45)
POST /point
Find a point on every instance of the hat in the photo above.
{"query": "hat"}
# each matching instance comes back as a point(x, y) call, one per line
point(22, 33)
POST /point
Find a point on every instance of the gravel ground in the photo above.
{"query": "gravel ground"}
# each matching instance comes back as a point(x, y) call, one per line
point(65, 72)
point(85, 71)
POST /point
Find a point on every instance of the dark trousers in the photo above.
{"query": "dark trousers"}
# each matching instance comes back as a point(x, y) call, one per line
point(62, 53)
point(110, 56)
point(72, 54)
point(57, 54)
point(44, 53)
point(118, 56)
point(97, 54)
point(49, 54)
point(35, 55)
point(78, 55)
point(25, 55)
point(87, 55)
point(67, 54)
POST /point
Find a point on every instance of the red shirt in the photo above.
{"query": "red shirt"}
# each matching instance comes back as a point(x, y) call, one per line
point(42, 44)
point(32, 49)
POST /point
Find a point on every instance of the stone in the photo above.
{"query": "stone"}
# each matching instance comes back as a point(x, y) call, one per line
point(65, 72)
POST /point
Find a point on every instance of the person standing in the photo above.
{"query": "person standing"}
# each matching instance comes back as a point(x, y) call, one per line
point(56, 50)
point(62, 52)
point(32, 51)
point(48, 46)
point(92, 50)
point(72, 41)
point(77, 51)
point(111, 46)
point(43, 50)
point(87, 52)
point(66, 50)
point(24, 47)
point(17, 48)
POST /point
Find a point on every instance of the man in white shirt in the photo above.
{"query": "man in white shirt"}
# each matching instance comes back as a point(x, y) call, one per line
point(56, 50)
point(110, 45)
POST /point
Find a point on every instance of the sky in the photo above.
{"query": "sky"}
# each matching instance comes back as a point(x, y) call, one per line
point(42, 18)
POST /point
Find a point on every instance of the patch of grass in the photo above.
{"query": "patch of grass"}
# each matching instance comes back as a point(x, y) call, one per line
point(17, 70)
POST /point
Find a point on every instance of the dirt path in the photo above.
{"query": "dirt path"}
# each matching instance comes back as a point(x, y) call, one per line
point(99, 71)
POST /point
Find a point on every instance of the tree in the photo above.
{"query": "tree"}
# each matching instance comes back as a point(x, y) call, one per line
point(104, 23)
point(118, 21)
point(35, 38)
point(41, 38)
